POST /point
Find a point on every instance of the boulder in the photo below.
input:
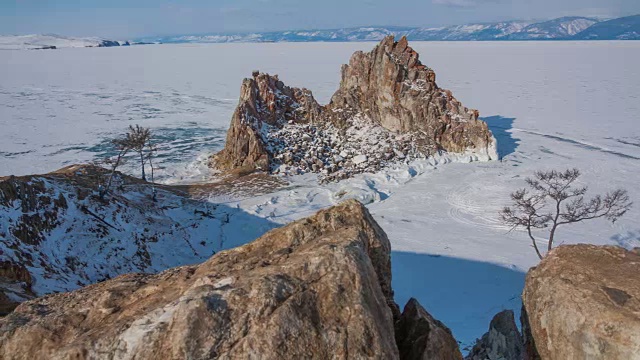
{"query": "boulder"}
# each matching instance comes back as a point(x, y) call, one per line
point(421, 337)
point(317, 288)
point(583, 302)
point(501, 342)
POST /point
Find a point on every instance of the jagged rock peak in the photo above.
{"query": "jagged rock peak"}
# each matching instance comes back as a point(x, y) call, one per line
point(392, 87)
point(420, 336)
point(316, 288)
point(265, 103)
point(388, 109)
point(502, 341)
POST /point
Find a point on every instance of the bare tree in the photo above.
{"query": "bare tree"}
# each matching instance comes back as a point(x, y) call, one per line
point(137, 139)
point(122, 146)
point(554, 200)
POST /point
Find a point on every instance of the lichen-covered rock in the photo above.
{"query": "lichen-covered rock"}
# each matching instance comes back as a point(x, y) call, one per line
point(388, 109)
point(421, 337)
point(316, 288)
point(501, 342)
point(583, 302)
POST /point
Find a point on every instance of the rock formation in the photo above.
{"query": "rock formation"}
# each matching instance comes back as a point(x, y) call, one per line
point(421, 337)
point(265, 102)
point(317, 288)
point(388, 109)
point(583, 302)
point(502, 341)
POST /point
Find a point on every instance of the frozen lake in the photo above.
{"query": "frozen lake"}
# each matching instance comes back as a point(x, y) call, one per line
point(549, 104)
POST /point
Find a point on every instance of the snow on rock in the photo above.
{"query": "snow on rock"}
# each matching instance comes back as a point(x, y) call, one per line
point(387, 110)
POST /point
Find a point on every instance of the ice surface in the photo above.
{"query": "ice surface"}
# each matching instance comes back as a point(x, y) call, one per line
point(550, 105)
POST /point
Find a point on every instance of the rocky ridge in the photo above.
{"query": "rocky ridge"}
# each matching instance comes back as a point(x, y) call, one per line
point(57, 235)
point(387, 110)
point(317, 288)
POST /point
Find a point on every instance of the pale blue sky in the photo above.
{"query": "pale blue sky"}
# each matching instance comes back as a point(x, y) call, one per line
point(134, 18)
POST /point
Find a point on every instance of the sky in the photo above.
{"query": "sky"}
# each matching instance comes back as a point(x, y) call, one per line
point(136, 18)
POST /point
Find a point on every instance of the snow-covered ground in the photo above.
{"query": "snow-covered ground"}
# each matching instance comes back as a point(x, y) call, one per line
point(550, 105)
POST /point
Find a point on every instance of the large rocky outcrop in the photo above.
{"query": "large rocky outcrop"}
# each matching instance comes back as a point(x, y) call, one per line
point(265, 102)
point(316, 288)
point(393, 88)
point(388, 109)
point(583, 302)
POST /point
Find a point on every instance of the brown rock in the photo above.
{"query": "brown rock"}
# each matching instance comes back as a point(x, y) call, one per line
point(392, 87)
point(319, 287)
point(583, 302)
point(264, 101)
point(421, 337)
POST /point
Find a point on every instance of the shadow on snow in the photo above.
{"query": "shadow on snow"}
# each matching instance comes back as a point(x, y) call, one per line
point(500, 126)
point(463, 294)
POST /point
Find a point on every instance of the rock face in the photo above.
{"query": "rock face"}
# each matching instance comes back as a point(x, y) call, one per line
point(583, 302)
point(421, 337)
point(502, 341)
point(394, 89)
point(265, 103)
point(388, 109)
point(319, 287)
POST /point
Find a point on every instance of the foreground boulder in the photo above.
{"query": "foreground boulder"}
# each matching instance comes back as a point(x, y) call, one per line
point(583, 302)
point(387, 110)
point(421, 337)
point(319, 287)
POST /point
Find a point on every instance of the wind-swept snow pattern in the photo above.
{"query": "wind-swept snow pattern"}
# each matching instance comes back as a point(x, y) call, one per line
point(544, 102)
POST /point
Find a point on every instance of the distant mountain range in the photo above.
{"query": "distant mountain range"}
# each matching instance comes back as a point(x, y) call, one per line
point(564, 28)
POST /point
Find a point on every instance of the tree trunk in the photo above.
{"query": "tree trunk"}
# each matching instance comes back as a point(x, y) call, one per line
point(144, 178)
point(533, 240)
point(113, 171)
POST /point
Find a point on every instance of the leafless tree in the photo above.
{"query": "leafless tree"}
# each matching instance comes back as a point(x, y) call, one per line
point(554, 199)
point(122, 147)
point(136, 139)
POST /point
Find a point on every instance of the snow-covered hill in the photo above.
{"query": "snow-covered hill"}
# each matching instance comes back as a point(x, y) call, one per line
point(33, 42)
point(553, 29)
point(626, 28)
point(56, 234)
point(556, 29)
